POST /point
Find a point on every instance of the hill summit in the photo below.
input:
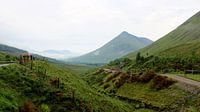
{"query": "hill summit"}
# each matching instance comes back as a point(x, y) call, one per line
point(121, 45)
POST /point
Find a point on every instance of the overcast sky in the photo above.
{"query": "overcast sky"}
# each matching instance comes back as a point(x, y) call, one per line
point(84, 25)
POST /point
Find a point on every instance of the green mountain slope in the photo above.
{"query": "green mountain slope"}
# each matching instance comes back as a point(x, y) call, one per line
point(116, 48)
point(6, 57)
point(184, 39)
point(11, 50)
point(37, 90)
point(139, 87)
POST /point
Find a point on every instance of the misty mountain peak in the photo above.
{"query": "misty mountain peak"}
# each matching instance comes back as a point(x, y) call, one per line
point(124, 33)
point(119, 46)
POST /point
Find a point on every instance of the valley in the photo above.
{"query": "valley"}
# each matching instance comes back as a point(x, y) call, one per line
point(126, 73)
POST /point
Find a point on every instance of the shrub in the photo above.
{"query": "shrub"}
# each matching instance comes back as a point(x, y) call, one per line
point(29, 107)
point(118, 83)
point(101, 83)
point(122, 79)
point(161, 82)
point(134, 78)
point(106, 86)
point(99, 71)
point(111, 77)
point(45, 108)
point(113, 80)
point(145, 78)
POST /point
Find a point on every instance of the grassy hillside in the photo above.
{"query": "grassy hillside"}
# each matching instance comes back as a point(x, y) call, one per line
point(130, 79)
point(150, 90)
point(11, 50)
point(78, 69)
point(37, 89)
point(184, 39)
point(135, 81)
point(6, 57)
point(116, 48)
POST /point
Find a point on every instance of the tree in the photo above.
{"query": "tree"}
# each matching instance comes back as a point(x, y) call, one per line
point(138, 57)
point(7, 58)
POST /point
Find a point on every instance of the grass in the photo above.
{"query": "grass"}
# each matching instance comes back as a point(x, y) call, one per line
point(168, 99)
point(84, 92)
point(78, 69)
point(20, 84)
point(165, 98)
point(144, 110)
point(6, 57)
point(9, 99)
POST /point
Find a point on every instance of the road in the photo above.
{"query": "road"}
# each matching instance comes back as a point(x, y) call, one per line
point(185, 83)
point(4, 65)
point(184, 80)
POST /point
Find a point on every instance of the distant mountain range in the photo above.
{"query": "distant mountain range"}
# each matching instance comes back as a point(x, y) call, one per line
point(184, 40)
point(11, 50)
point(121, 45)
point(57, 54)
point(16, 52)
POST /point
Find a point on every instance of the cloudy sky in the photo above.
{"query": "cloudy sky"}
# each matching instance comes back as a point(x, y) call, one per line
point(84, 25)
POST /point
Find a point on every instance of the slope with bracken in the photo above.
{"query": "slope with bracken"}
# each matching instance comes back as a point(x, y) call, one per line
point(152, 90)
point(50, 87)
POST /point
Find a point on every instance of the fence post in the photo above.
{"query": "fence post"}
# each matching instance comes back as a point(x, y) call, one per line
point(58, 83)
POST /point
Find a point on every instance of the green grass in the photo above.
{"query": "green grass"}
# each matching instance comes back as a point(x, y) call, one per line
point(144, 110)
point(7, 57)
point(78, 69)
point(20, 84)
point(167, 99)
point(163, 98)
point(9, 99)
point(85, 92)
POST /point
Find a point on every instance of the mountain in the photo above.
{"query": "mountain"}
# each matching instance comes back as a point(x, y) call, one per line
point(58, 54)
point(5, 49)
point(11, 50)
point(121, 45)
point(185, 39)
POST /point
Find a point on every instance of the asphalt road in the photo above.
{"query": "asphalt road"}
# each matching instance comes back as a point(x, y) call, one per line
point(4, 65)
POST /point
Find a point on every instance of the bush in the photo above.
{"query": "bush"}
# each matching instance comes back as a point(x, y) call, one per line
point(161, 82)
point(145, 78)
point(109, 78)
point(29, 107)
point(134, 78)
point(45, 108)
point(98, 72)
point(106, 86)
point(122, 79)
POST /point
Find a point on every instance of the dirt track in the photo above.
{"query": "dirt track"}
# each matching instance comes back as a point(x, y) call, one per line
point(186, 84)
